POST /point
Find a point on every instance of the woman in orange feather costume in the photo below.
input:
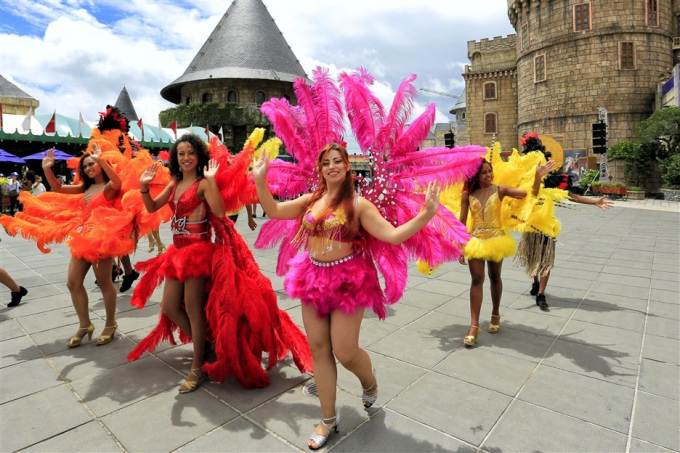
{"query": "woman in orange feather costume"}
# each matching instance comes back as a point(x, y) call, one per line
point(240, 314)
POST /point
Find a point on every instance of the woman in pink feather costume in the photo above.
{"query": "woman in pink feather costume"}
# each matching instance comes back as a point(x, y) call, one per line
point(335, 279)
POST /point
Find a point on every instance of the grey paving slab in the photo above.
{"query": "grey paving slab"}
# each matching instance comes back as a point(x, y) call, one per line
point(482, 367)
point(624, 341)
point(90, 437)
point(393, 378)
point(283, 378)
point(111, 390)
point(663, 327)
point(661, 379)
point(24, 428)
point(26, 378)
point(414, 347)
point(89, 358)
point(660, 349)
point(49, 320)
point(423, 299)
point(450, 289)
point(463, 410)
point(622, 319)
point(661, 295)
point(522, 344)
point(526, 427)
point(656, 420)
point(389, 431)
point(608, 302)
point(179, 419)
point(17, 350)
point(573, 394)
point(40, 305)
point(666, 276)
point(401, 315)
point(640, 446)
point(534, 321)
point(238, 436)
point(293, 417)
point(594, 361)
point(441, 325)
point(373, 331)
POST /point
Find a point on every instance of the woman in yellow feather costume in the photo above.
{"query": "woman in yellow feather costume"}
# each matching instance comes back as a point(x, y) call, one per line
point(491, 240)
point(537, 247)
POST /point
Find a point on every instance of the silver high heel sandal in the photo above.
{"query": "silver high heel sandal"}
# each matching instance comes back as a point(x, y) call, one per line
point(369, 400)
point(320, 440)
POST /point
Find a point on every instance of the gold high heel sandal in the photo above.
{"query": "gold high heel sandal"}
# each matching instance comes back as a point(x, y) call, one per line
point(161, 248)
point(151, 246)
point(469, 340)
point(76, 340)
point(493, 328)
point(103, 339)
point(189, 386)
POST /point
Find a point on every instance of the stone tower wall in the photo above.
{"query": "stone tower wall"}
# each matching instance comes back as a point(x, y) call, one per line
point(583, 69)
point(245, 88)
point(492, 61)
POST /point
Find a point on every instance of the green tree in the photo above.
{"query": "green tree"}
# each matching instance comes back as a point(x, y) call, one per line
point(663, 126)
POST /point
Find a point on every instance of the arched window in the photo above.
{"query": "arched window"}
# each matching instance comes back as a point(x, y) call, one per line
point(259, 97)
point(232, 97)
point(207, 97)
point(490, 123)
point(462, 115)
point(490, 90)
point(286, 96)
point(188, 100)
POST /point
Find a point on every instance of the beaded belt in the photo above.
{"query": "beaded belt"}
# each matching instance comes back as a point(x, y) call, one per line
point(330, 263)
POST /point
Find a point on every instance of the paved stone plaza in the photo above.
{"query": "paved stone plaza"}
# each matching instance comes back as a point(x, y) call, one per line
point(599, 372)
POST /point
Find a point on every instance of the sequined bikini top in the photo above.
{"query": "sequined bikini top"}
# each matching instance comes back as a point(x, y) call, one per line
point(486, 220)
point(332, 229)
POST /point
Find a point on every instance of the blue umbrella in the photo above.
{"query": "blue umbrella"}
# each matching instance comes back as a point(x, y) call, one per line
point(8, 157)
point(58, 155)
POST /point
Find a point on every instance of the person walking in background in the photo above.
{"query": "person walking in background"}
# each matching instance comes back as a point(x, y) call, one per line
point(17, 291)
point(38, 187)
point(13, 190)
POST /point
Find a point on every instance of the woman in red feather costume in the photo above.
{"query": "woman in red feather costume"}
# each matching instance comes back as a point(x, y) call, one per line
point(240, 312)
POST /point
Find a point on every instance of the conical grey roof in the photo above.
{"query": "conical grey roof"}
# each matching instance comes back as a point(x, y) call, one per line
point(246, 44)
point(124, 104)
point(10, 90)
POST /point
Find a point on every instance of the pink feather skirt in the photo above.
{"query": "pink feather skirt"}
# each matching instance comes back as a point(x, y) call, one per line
point(343, 286)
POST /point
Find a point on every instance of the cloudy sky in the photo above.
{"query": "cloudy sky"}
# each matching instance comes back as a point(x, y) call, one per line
point(76, 55)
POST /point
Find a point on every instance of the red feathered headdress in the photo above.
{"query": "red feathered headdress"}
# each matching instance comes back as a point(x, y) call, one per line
point(527, 136)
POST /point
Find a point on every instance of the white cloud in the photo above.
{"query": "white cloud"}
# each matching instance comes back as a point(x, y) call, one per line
point(82, 60)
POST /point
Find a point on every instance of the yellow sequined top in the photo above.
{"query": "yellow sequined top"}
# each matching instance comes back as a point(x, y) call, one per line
point(486, 220)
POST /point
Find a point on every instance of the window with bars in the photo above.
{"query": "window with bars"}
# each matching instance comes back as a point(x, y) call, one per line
point(525, 36)
point(539, 68)
point(627, 52)
point(653, 13)
point(490, 90)
point(490, 123)
point(582, 17)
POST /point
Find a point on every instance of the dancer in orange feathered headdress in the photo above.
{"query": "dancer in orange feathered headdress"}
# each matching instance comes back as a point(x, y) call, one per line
point(214, 289)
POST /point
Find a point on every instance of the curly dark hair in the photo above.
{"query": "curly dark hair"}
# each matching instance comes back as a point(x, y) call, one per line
point(201, 149)
point(87, 181)
point(472, 184)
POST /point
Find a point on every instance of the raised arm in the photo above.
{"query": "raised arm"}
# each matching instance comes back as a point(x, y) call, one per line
point(58, 187)
point(287, 210)
point(211, 193)
point(154, 204)
point(541, 171)
point(600, 202)
point(381, 229)
point(114, 185)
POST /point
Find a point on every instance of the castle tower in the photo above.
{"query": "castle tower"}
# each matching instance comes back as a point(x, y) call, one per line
point(124, 104)
point(491, 92)
point(574, 56)
point(245, 61)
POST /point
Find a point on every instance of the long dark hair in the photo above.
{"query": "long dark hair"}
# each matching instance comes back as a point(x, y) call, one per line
point(345, 198)
point(472, 184)
point(201, 149)
point(87, 181)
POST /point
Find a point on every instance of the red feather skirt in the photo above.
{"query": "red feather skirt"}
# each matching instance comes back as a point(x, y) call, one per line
point(244, 319)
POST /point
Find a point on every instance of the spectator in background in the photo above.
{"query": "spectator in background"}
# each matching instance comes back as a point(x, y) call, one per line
point(38, 187)
point(13, 188)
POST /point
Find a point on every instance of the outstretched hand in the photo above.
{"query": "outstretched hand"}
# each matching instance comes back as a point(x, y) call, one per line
point(542, 170)
point(432, 197)
point(261, 166)
point(604, 204)
point(96, 152)
point(149, 174)
point(211, 170)
point(48, 159)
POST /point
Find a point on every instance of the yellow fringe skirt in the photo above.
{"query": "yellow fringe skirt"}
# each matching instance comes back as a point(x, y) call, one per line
point(492, 249)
